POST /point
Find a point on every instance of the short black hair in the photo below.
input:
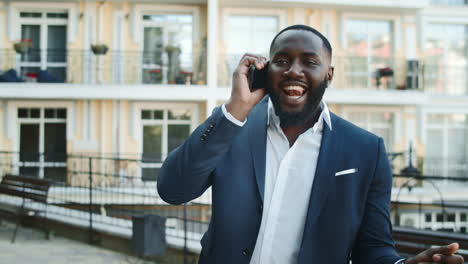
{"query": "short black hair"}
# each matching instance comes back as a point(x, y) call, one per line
point(325, 41)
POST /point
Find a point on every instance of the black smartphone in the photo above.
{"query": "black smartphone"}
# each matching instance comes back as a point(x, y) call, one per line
point(258, 78)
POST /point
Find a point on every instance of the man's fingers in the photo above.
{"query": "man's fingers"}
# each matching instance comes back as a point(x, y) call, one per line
point(249, 59)
point(448, 259)
point(447, 250)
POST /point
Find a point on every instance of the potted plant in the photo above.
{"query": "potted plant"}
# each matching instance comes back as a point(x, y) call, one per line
point(22, 46)
point(99, 49)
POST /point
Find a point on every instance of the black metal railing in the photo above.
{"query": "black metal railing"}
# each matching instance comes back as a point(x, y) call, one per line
point(106, 192)
point(114, 67)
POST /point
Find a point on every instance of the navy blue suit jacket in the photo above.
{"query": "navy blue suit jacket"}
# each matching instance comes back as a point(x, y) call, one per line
point(348, 215)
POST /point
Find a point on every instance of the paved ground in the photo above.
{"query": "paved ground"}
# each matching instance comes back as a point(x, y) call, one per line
point(31, 246)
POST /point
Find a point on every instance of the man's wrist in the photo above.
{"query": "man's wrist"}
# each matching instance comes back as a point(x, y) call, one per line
point(237, 110)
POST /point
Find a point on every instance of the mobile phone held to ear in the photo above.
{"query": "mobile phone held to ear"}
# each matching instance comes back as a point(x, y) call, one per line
point(258, 78)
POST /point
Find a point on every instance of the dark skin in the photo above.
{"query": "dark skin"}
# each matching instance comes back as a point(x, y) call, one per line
point(301, 56)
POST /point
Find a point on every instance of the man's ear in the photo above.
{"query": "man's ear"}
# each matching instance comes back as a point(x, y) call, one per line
point(331, 72)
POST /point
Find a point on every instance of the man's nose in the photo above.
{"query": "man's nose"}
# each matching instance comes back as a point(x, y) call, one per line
point(295, 71)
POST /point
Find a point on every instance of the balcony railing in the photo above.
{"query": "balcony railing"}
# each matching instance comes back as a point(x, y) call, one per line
point(115, 67)
point(352, 72)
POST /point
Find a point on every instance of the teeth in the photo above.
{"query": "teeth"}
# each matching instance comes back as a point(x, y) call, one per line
point(294, 88)
point(294, 92)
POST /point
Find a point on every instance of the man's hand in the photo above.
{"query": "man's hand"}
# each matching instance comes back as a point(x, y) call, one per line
point(444, 254)
point(242, 99)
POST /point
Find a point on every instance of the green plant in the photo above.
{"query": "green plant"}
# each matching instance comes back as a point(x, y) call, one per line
point(99, 49)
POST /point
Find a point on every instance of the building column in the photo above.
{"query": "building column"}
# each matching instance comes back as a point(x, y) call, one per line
point(212, 53)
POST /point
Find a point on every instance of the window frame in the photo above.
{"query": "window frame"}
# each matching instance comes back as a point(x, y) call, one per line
point(138, 130)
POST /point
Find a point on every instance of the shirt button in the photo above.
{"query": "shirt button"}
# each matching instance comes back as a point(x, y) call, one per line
point(260, 208)
point(246, 252)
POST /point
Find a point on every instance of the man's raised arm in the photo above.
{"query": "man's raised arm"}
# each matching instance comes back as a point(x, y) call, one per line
point(186, 173)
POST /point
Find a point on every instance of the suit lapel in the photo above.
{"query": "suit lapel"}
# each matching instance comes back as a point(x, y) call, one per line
point(257, 138)
point(325, 172)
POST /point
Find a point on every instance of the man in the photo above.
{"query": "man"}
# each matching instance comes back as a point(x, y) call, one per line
point(291, 182)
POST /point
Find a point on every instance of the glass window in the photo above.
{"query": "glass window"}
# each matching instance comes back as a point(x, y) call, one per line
point(463, 217)
point(428, 217)
point(23, 112)
point(446, 58)
point(152, 143)
point(451, 217)
point(446, 145)
point(247, 33)
point(177, 134)
point(370, 48)
point(379, 123)
point(439, 217)
point(167, 48)
point(46, 58)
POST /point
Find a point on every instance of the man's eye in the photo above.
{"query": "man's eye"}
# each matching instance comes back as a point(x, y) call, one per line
point(310, 62)
point(281, 62)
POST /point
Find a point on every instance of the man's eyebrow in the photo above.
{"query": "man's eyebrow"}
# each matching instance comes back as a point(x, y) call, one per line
point(311, 54)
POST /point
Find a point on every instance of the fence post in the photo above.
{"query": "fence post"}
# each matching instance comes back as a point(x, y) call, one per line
point(90, 188)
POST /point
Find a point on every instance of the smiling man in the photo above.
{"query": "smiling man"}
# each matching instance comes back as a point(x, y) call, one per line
point(291, 182)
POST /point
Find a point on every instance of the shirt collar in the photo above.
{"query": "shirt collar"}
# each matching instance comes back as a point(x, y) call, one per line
point(324, 116)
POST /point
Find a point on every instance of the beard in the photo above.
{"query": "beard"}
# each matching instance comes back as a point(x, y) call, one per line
point(309, 110)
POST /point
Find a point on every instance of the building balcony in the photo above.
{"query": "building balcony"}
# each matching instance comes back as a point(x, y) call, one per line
point(114, 67)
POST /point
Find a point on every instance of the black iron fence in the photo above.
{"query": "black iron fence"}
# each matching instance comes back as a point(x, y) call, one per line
point(104, 193)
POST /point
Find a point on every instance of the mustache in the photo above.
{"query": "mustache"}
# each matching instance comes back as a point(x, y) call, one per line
point(293, 82)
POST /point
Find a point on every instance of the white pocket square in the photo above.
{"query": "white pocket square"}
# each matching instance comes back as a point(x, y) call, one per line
point(343, 172)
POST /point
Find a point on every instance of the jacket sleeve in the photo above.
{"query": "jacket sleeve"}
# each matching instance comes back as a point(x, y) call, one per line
point(187, 171)
point(374, 243)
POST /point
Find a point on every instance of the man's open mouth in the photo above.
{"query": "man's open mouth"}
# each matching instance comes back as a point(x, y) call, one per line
point(294, 92)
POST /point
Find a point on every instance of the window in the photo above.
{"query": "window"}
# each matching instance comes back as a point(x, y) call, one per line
point(246, 33)
point(167, 48)
point(449, 2)
point(463, 217)
point(446, 58)
point(446, 145)
point(439, 217)
point(379, 123)
point(43, 146)
point(163, 131)
point(428, 217)
point(370, 47)
point(46, 59)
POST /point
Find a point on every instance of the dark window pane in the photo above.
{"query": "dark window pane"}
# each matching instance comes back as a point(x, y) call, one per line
point(35, 112)
point(30, 14)
point(57, 15)
point(55, 143)
point(29, 142)
point(152, 143)
point(62, 113)
point(158, 114)
point(463, 230)
point(23, 112)
point(50, 113)
point(29, 171)
point(440, 218)
point(463, 217)
point(56, 174)
point(428, 217)
point(177, 134)
point(179, 114)
point(56, 43)
point(149, 174)
point(55, 74)
point(145, 114)
point(451, 217)
point(31, 33)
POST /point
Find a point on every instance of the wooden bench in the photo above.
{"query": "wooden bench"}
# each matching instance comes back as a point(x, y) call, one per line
point(29, 189)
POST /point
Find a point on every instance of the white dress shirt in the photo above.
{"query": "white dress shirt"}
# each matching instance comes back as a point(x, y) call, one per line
point(288, 184)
